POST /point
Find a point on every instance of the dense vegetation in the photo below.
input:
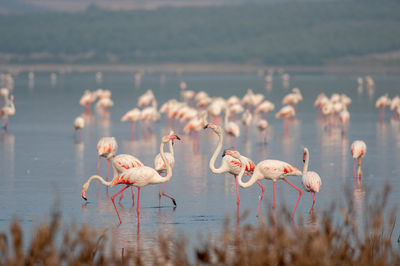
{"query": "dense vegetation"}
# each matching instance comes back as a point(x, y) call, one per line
point(272, 33)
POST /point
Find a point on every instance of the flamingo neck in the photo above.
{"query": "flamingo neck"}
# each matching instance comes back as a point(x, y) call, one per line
point(168, 167)
point(171, 148)
point(227, 112)
point(253, 178)
point(305, 167)
point(87, 184)
point(221, 169)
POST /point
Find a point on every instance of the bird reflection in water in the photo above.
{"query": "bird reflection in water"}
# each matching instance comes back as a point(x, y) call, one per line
point(8, 148)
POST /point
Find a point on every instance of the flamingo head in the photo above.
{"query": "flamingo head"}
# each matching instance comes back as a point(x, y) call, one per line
point(234, 154)
point(172, 137)
point(217, 129)
point(305, 152)
point(84, 189)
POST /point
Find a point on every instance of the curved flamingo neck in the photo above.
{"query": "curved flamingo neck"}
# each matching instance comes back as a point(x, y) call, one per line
point(221, 169)
point(87, 184)
point(305, 168)
point(171, 148)
point(253, 178)
point(168, 166)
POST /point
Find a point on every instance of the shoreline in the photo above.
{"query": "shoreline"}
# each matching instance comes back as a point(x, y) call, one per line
point(179, 68)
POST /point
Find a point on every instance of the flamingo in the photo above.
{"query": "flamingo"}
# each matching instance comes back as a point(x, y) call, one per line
point(79, 124)
point(358, 150)
point(160, 167)
point(121, 163)
point(86, 100)
point(311, 180)
point(265, 107)
point(106, 147)
point(286, 112)
point(262, 126)
point(137, 176)
point(146, 98)
point(229, 164)
point(7, 110)
point(132, 115)
point(268, 169)
point(231, 127)
point(381, 103)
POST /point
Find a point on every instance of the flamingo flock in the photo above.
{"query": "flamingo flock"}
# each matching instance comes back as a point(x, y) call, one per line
point(195, 111)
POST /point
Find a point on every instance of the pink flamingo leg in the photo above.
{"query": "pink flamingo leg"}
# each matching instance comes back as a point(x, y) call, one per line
point(261, 196)
point(286, 126)
point(355, 174)
point(237, 192)
point(359, 167)
point(273, 206)
point(159, 195)
point(313, 195)
point(137, 207)
point(298, 199)
point(121, 197)
point(168, 196)
point(108, 169)
point(115, 206)
point(382, 114)
point(133, 196)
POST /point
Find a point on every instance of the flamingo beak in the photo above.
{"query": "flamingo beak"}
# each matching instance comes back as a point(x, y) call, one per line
point(84, 195)
point(304, 158)
point(206, 126)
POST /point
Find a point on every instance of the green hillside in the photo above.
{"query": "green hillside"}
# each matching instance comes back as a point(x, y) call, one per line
point(277, 33)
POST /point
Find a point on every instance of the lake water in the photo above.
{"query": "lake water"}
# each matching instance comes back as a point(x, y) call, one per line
point(41, 167)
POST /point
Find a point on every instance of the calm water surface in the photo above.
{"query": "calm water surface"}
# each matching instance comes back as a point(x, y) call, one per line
point(41, 167)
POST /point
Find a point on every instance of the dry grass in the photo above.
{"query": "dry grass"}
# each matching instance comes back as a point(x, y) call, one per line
point(328, 243)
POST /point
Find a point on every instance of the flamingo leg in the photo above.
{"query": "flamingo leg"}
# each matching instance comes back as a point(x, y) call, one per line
point(286, 127)
point(382, 114)
point(273, 206)
point(298, 199)
point(121, 197)
point(355, 174)
point(168, 196)
point(261, 196)
point(359, 167)
point(133, 196)
point(137, 207)
point(237, 192)
point(115, 206)
point(313, 195)
point(108, 169)
point(159, 195)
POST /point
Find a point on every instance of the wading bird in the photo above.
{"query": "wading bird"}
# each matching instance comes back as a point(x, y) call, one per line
point(358, 150)
point(310, 179)
point(137, 176)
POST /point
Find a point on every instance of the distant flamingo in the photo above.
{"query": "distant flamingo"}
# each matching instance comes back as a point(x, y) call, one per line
point(262, 126)
point(268, 169)
point(132, 115)
point(231, 128)
point(7, 110)
point(79, 124)
point(310, 179)
point(86, 100)
point(358, 150)
point(286, 112)
point(229, 164)
point(381, 103)
point(106, 147)
point(138, 177)
point(160, 167)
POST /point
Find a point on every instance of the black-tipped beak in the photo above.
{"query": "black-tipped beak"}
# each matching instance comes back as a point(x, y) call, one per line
point(224, 153)
point(304, 161)
point(178, 138)
point(206, 126)
point(84, 198)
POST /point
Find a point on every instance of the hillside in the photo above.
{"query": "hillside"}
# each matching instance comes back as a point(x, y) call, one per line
point(307, 33)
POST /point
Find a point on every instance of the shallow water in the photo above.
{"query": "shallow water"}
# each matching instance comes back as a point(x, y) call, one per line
point(41, 167)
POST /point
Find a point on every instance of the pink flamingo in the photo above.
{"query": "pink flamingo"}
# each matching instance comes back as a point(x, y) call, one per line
point(311, 180)
point(268, 169)
point(358, 150)
point(132, 115)
point(229, 164)
point(161, 167)
point(86, 100)
point(121, 163)
point(79, 124)
point(262, 126)
point(7, 110)
point(106, 147)
point(231, 128)
point(286, 112)
point(381, 103)
point(137, 176)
